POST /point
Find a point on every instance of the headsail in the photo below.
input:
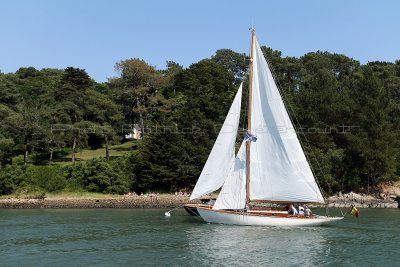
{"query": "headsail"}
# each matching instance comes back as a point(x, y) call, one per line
point(233, 195)
point(279, 170)
point(222, 154)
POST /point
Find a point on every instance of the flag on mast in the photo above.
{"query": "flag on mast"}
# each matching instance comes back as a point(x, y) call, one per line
point(249, 137)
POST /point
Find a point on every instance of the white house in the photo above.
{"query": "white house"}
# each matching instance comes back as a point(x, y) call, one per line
point(136, 133)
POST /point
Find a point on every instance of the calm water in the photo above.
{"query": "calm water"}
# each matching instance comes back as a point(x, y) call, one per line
point(146, 238)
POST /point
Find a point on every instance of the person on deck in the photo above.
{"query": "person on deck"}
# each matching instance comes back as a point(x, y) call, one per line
point(301, 210)
point(307, 211)
point(292, 210)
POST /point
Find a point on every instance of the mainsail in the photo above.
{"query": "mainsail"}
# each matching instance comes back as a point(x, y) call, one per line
point(233, 194)
point(222, 155)
point(279, 170)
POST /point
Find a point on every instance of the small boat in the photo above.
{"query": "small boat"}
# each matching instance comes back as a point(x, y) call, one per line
point(270, 165)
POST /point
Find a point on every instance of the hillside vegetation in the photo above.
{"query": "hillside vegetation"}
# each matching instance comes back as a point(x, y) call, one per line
point(60, 131)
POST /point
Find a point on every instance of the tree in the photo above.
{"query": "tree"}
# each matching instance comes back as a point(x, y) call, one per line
point(98, 175)
point(6, 149)
point(11, 178)
point(172, 155)
point(237, 64)
point(164, 161)
point(371, 148)
point(138, 83)
point(8, 87)
point(74, 95)
point(26, 128)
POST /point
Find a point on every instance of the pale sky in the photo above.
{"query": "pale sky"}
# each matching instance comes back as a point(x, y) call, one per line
point(95, 34)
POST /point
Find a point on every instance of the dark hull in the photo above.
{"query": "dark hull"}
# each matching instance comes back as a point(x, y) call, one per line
point(192, 208)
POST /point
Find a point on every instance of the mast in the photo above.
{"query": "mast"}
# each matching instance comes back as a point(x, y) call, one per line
point(249, 119)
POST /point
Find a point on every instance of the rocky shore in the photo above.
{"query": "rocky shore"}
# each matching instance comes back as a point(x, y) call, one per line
point(363, 201)
point(139, 202)
point(387, 195)
point(174, 201)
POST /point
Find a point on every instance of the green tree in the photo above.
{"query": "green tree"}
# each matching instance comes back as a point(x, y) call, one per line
point(237, 64)
point(98, 175)
point(137, 85)
point(371, 149)
point(6, 149)
point(174, 153)
point(12, 177)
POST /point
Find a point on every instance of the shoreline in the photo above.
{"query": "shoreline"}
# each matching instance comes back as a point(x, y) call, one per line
point(382, 204)
point(159, 202)
point(363, 201)
point(167, 201)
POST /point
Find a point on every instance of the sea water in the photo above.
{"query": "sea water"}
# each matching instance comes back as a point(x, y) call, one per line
point(124, 237)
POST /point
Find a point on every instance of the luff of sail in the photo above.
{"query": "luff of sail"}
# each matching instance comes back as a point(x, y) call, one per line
point(233, 194)
point(222, 155)
point(279, 168)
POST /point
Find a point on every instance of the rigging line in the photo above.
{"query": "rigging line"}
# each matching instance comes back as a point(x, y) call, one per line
point(168, 213)
point(248, 84)
point(246, 104)
point(246, 92)
point(301, 129)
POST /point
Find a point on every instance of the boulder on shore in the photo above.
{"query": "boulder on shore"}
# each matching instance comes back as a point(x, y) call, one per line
point(360, 200)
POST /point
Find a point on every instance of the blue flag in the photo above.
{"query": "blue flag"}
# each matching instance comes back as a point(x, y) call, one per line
point(249, 137)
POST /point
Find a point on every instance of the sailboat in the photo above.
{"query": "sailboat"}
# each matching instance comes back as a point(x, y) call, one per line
point(270, 165)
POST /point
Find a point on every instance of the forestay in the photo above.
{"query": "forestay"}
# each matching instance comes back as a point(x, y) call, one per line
point(222, 155)
point(279, 170)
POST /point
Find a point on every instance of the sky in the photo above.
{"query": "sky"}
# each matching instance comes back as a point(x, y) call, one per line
point(96, 34)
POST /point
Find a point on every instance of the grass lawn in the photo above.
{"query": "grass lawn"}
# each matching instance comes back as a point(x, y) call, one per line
point(87, 154)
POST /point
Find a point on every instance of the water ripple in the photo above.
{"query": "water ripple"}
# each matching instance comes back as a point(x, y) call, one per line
point(109, 237)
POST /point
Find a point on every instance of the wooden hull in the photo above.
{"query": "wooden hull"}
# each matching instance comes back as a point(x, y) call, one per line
point(260, 219)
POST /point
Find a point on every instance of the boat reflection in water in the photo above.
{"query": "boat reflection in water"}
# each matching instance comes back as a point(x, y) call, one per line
point(261, 246)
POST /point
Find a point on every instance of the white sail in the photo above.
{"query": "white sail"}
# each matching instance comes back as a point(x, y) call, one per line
point(279, 170)
point(233, 193)
point(222, 154)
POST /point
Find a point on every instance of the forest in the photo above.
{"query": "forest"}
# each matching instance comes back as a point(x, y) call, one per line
point(347, 115)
